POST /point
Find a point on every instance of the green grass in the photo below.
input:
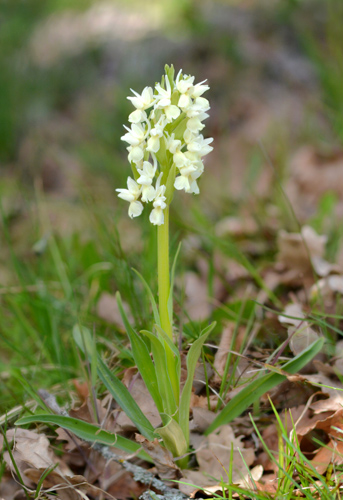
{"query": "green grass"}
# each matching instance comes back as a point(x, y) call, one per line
point(50, 281)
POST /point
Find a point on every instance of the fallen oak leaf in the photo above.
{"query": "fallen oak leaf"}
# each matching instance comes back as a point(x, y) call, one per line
point(197, 482)
point(300, 334)
point(66, 487)
point(163, 459)
point(31, 450)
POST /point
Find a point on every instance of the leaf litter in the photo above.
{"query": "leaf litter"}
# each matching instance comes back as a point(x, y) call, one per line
point(301, 276)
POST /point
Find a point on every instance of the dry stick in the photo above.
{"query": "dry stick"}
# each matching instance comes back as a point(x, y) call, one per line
point(139, 474)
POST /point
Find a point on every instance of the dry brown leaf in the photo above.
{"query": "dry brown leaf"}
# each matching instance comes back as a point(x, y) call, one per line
point(107, 309)
point(9, 488)
point(213, 456)
point(300, 333)
point(210, 487)
point(202, 418)
point(144, 400)
point(324, 421)
point(88, 413)
point(201, 401)
point(334, 390)
point(163, 459)
point(236, 226)
point(82, 388)
point(199, 381)
point(301, 253)
point(312, 175)
point(225, 346)
point(31, 450)
point(196, 303)
point(327, 288)
point(33, 456)
point(67, 488)
point(331, 453)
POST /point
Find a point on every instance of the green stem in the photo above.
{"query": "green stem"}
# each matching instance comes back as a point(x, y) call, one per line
point(163, 295)
point(163, 273)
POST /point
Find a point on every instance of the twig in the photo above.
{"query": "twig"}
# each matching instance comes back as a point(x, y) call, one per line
point(139, 473)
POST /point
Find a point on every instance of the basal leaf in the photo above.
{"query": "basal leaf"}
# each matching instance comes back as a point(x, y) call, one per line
point(192, 359)
point(142, 358)
point(261, 385)
point(151, 298)
point(172, 278)
point(88, 432)
point(175, 368)
point(125, 400)
point(173, 438)
point(115, 386)
point(163, 379)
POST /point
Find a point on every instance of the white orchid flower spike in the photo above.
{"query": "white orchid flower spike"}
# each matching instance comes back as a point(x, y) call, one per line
point(165, 146)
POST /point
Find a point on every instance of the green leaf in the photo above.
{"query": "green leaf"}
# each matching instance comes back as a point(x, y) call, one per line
point(192, 358)
point(151, 298)
point(88, 432)
point(163, 379)
point(170, 72)
point(134, 171)
point(169, 193)
point(142, 358)
point(28, 389)
point(175, 377)
point(116, 387)
point(171, 290)
point(173, 437)
point(261, 385)
point(123, 397)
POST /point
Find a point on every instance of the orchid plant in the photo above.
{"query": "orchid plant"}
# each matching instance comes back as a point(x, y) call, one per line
point(165, 150)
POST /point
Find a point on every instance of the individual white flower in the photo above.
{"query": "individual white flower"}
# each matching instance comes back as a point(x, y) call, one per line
point(199, 89)
point(189, 174)
point(138, 116)
point(180, 159)
point(163, 101)
point(184, 180)
point(147, 174)
point(189, 136)
point(185, 87)
point(174, 146)
point(194, 125)
point(200, 145)
point(135, 136)
point(184, 83)
point(155, 135)
point(131, 194)
point(199, 106)
point(143, 101)
point(157, 216)
point(136, 153)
